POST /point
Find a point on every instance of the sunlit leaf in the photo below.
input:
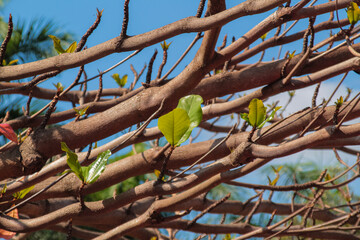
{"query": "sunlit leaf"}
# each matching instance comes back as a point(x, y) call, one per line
point(4, 234)
point(81, 112)
point(327, 177)
point(59, 87)
point(120, 81)
point(174, 125)
point(92, 172)
point(217, 71)
point(13, 62)
point(72, 161)
point(257, 112)
point(57, 44)
point(291, 55)
point(3, 190)
point(339, 101)
point(227, 237)
point(192, 105)
point(353, 13)
point(291, 93)
point(157, 174)
point(8, 132)
point(264, 36)
point(99, 13)
point(71, 48)
point(21, 194)
point(165, 46)
point(245, 116)
point(273, 182)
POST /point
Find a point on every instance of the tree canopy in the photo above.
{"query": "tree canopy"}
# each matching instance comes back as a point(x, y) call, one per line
point(166, 152)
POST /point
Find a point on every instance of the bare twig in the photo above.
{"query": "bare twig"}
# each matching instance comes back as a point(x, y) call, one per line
point(6, 40)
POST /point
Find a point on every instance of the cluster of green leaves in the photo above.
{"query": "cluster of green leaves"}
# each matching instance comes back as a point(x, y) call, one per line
point(291, 55)
point(90, 173)
point(59, 87)
point(59, 49)
point(121, 81)
point(81, 112)
point(339, 102)
point(178, 124)
point(257, 114)
point(165, 46)
point(353, 13)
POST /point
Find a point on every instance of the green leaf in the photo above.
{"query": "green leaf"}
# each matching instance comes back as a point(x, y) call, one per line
point(92, 172)
point(327, 177)
point(157, 174)
point(245, 116)
point(99, 13)
point(227, 237)
point(120, 81)
point(57, 44)
point(165, 46)
point(291, 94)
point(192, 105)
point(3, 190)
point(264, 36)
point(82, 111)
point(174, 125)
point(270, 117)
point(71, 48)
point(59, 86)
point(21, 194)
point(257, 112)
point(273, 182)
point(291, 55)
point(339, 101)
point(353, 13)
point(11, 62)
point(72, 161)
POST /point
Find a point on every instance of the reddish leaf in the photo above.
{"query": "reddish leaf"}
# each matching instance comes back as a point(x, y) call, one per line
point(6, 234)
point(8, 132)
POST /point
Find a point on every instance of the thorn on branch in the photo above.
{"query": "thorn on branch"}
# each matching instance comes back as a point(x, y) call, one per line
point(69, 230)
point(50, 110)
point(163, 167)
point(309, 32)
point(200, 9)
point(125, 21)
point(162, 63)
point(98, 94)
point(223, 43)
point(27, 112)
point(150, 66)
point(316, 92)
point(6, 40)
point(89, 31)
